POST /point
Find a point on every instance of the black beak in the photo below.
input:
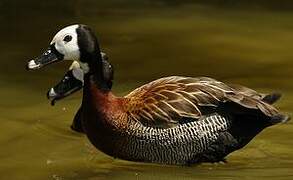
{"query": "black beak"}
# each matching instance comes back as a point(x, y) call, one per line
point(67, 86)
point(53, 96)
point(49, 56)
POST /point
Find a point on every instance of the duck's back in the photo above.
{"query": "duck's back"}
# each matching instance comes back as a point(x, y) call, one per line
point(173, 100)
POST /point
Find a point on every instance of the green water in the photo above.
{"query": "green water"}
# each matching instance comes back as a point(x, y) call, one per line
point(145, 41)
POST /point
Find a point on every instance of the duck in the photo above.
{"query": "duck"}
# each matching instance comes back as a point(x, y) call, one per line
point(173, 120)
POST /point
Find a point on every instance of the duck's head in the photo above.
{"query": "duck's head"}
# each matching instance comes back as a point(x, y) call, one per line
point(75, 42)
point(73, 80)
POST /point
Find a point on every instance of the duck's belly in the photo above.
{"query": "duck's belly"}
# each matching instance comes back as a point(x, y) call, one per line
point(183, 144)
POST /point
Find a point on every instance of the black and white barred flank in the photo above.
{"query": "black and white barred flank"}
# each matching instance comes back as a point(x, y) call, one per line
point(178, 145)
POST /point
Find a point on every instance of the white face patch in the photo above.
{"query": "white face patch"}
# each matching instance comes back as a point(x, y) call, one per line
point(77, 72)
point(66, 43)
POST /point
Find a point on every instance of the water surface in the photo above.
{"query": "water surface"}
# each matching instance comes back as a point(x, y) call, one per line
point(145, 41)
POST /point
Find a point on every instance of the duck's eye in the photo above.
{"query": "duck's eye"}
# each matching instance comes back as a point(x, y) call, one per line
point(67, 38)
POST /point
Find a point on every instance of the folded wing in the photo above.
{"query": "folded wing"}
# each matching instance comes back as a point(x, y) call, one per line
point(168, 101)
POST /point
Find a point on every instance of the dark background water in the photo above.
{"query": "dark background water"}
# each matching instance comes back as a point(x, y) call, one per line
point(243, 42)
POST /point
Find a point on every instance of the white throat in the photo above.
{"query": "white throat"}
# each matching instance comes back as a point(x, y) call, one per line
point(77, 72)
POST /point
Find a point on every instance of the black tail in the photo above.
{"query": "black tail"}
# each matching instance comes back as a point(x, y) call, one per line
point(280, 118)
point(272, 98)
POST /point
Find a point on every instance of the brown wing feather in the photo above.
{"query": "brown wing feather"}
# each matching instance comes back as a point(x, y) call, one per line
point(167, 100)
point(247, 91)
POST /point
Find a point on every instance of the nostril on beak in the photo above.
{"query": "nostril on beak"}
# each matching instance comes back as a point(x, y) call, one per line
point(51, 93)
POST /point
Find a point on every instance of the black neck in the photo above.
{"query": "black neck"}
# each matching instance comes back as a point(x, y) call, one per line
point(90, 54)
point(98, 81)
point(95, 74)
